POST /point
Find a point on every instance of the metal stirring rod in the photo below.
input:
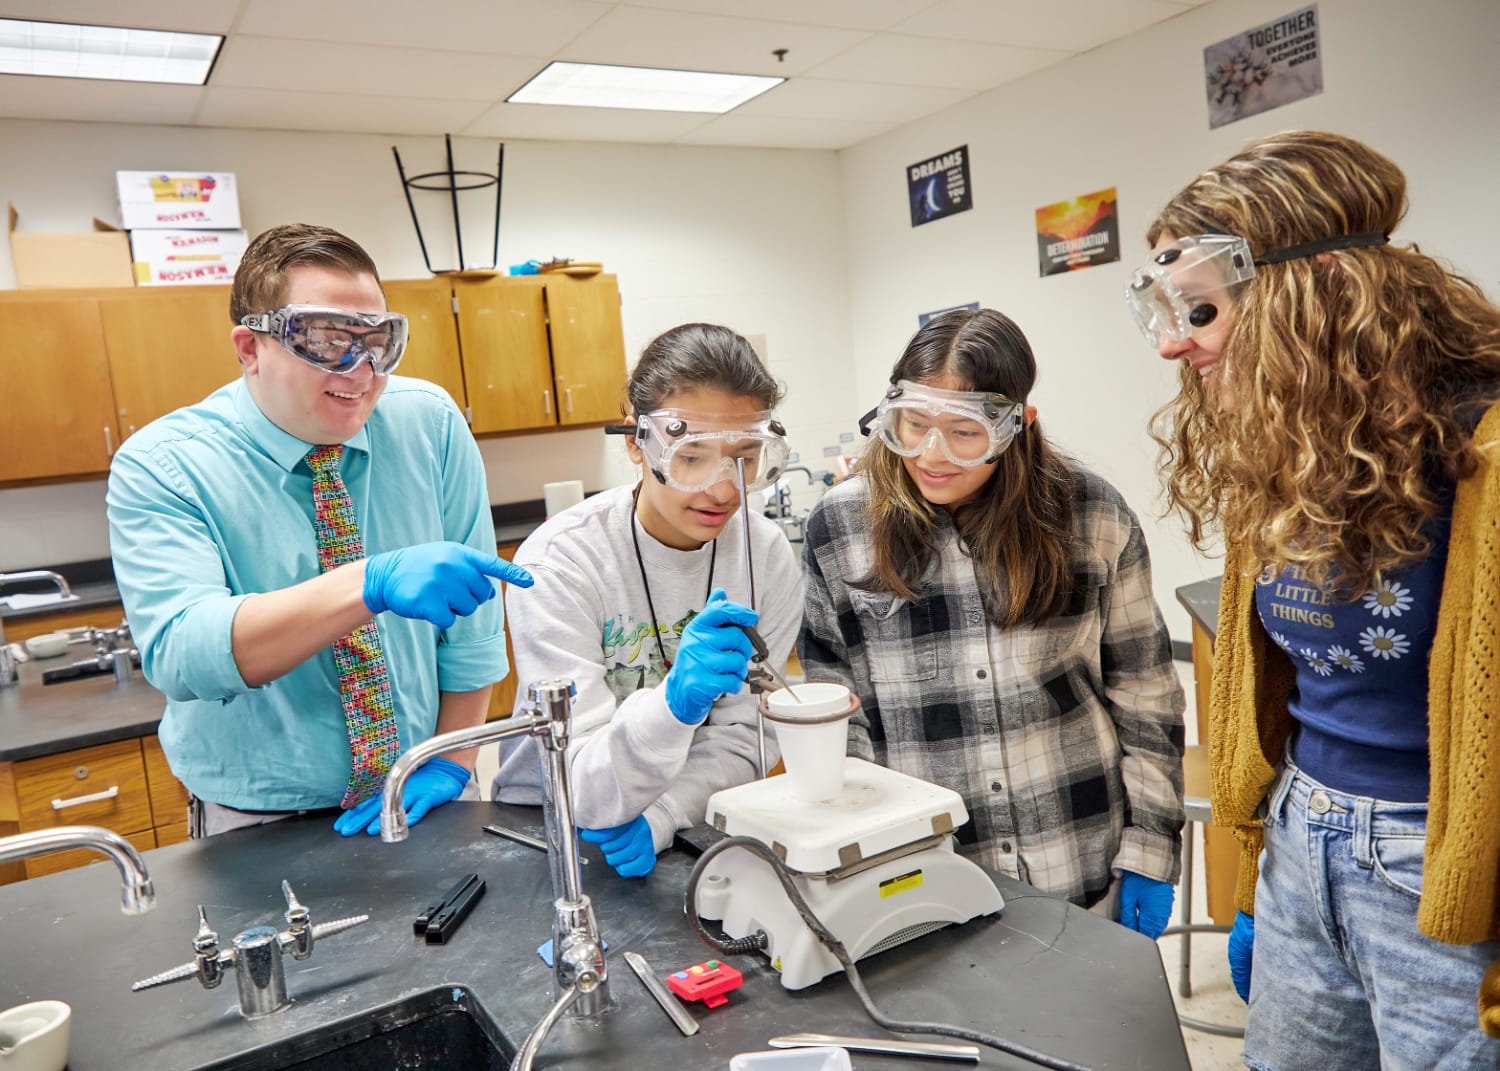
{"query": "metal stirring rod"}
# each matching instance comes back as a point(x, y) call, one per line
point(760, 718)
point(762, 652)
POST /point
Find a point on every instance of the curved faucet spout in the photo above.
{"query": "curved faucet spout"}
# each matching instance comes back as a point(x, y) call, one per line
point(137, 894)
point(393, 827)
point(526, 1054)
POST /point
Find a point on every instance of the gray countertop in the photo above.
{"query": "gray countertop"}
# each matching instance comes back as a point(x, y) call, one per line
point(43, 719)
point(1201, 601)
point(1043, 973)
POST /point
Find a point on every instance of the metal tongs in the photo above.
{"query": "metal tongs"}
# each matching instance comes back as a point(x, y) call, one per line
point(933, 1050)
point(761, 669)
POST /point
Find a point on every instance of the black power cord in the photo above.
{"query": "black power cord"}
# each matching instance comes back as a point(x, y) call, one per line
point(757, 943)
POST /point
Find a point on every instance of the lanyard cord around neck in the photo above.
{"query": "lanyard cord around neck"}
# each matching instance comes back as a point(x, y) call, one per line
point(713, 554)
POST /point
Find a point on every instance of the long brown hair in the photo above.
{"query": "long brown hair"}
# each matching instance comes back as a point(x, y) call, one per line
point(1358, 375)
point(1018, 528)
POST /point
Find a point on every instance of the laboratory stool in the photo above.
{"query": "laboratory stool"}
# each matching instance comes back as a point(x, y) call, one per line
point(1197, 803)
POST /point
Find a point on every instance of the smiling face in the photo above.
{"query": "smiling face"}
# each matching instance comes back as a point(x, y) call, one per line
point(688, 519)
point(1203, 349)
point(318, 407)
point(938, 479)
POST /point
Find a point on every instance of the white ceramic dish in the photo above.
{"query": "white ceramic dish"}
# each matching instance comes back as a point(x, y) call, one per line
point(51, 645)
point(34, 1037)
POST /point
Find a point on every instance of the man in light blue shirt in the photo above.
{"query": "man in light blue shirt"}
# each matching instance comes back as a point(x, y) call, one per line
point(216, 544)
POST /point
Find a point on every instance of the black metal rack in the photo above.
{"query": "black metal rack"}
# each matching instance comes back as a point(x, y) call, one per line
point(450, 183)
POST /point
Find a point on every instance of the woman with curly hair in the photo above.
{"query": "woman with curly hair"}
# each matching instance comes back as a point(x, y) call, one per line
point(1337, 422)
point(989, 601)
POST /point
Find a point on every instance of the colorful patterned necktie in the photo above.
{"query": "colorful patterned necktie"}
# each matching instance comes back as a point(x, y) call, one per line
point(364, 685)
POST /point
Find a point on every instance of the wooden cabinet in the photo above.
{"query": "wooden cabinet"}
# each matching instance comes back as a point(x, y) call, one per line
point(23, 628)
point(83, 369)
point(541, 351)
point(57, 413)
point(432, 349)
point(167, 348)
point(502, 325)
point(125, 786)
point(588, 347)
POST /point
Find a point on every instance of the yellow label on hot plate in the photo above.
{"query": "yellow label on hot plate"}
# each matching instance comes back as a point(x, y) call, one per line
point(900, 883)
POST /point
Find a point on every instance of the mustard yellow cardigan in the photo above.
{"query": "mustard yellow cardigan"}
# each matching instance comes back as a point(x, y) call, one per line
point(1249, 724)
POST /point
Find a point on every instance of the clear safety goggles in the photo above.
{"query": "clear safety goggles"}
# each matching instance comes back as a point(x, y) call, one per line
point(968, 427)
point(333, 339)
point(695, 451)
point(1187, 285)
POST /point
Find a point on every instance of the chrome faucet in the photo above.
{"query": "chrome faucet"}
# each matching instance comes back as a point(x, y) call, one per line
point(8, 670)
point(137, 894)
point(255, 957)
point(580, 976)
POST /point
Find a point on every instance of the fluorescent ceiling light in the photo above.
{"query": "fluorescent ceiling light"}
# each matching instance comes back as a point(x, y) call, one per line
point(69, 50)
point(593, 85)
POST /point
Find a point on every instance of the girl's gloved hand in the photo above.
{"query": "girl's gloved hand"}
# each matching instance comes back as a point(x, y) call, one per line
point(436, 582)
point(1241, 953)
point(1145, 904)
point(712, 658)
point(434, 783)
point(628, 848)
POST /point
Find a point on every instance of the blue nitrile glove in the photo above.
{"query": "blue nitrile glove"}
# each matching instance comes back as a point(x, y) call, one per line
point(1241, 952)
point(436, 582)
point(1145, 904)
point(434, 783)
point(712, 658)
point(628, 848)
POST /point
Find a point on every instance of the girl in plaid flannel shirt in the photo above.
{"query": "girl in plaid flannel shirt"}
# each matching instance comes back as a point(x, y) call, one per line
point(990, 603)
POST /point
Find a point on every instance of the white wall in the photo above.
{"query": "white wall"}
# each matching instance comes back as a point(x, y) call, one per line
point(1418, 82)
point(749, 238)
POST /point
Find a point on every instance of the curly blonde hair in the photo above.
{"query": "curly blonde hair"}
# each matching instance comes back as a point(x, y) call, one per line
point(1358, 375)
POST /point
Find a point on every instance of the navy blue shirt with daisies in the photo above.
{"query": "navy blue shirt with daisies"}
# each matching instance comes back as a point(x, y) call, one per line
point(1361, 695)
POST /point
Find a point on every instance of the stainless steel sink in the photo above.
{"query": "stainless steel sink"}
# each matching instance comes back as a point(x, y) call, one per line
point(441, 1028)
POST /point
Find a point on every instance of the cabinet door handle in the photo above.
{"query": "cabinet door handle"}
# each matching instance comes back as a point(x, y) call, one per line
point(568, 397)
point(547, 401)
point(109, 443)
point(93, 797)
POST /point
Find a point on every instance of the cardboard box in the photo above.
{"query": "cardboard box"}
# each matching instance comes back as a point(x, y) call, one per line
point(49, 261)
point(177, 200)
point(183, 258)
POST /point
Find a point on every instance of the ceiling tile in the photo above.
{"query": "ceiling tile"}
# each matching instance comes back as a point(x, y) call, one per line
point(185, 16)
point(546, 122)
point(848, 14)
point(927, 61)
point(23, 97)
point(513, 27)
point(336, 67)
point(274, 109)
point(1068, 25)
point(816, 98)
point(646, 37)
point(764, 131)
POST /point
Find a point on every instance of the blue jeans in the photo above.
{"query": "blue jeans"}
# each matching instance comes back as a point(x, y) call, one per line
point(1342, 978)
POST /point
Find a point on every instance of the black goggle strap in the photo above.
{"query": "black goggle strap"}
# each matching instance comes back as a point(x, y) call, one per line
point(1323, 245)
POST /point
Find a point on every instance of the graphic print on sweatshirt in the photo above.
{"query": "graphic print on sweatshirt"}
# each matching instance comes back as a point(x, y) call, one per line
point(631, 658)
